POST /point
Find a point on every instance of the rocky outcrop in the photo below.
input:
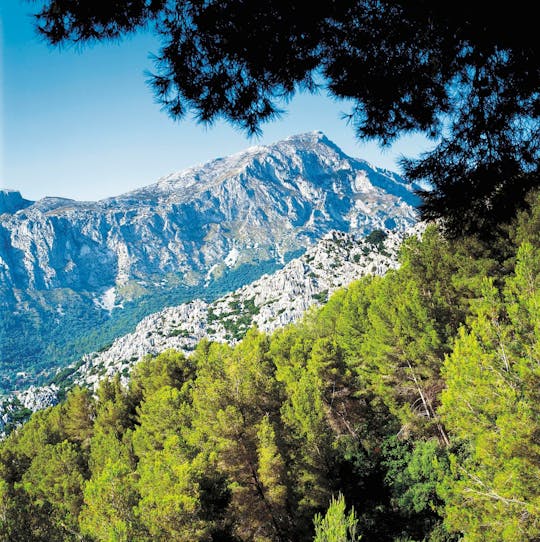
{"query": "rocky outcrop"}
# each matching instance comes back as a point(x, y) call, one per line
point(269, 303)
point(11, 201)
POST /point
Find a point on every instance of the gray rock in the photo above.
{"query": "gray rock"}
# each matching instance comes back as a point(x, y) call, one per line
point(269, 303)
point(195, 228)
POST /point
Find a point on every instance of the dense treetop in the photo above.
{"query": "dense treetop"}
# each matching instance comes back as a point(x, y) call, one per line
point(404, 410)
point(467, 77)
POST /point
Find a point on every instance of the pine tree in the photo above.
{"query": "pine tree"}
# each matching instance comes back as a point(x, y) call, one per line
point(336, 525)
point(492, 408)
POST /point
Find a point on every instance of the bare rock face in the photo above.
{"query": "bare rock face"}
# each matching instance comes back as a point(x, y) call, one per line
point(11, 201)
point(75, 275)
point(269, 303)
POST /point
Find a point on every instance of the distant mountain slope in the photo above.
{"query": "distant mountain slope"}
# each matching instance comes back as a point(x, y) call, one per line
point(75, 275)
point(271, 302)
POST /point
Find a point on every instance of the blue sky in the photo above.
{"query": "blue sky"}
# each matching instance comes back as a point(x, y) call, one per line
point(83, 123)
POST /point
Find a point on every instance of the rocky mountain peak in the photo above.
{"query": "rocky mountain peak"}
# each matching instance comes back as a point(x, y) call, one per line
point(310, 157)
point(68, 268)
point(11, 201)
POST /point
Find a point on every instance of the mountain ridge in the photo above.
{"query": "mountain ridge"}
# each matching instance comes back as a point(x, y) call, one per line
point(271, 302)
point(99, 267)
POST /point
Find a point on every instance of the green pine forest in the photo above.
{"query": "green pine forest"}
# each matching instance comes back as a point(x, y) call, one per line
point(405, 409)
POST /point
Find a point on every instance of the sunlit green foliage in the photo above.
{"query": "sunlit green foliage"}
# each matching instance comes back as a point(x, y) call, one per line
point(492, 406)
point(336, 525)
point(413, 396)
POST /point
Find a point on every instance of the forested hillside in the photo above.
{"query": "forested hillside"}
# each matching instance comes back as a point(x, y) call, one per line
point(415, 396)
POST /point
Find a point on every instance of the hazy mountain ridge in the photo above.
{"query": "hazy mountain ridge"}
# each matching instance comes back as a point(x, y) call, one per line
point(93, 265)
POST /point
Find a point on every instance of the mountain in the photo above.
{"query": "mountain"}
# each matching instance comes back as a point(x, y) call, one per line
point(271, 302)
point(11, 201)
point(75, 275)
